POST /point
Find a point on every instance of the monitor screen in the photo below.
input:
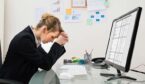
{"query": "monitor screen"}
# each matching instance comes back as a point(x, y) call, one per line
point(121, 41)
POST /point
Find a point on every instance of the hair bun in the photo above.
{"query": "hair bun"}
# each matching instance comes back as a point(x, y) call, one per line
point(45, 16)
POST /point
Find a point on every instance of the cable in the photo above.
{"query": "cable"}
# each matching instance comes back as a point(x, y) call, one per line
point(137, 70)
point(139, 66)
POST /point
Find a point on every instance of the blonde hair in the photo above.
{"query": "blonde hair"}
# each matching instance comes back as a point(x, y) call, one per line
point(52, 23)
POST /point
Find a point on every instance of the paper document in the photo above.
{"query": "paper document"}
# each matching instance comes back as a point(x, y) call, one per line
point(74, 69)
point(96, 4)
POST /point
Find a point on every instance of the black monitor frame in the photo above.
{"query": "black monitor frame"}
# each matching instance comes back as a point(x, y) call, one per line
point(131, 48)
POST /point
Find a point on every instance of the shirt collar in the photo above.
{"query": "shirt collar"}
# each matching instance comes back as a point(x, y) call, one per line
point(36, 40)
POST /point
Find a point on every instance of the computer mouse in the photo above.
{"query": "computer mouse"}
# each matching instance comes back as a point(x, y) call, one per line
point(65, 75)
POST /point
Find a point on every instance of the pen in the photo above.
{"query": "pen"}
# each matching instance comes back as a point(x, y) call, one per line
point(87, 53)
point(91, 51)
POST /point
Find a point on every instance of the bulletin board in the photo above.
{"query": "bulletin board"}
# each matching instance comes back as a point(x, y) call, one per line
point(71, 10)
point(82, 21)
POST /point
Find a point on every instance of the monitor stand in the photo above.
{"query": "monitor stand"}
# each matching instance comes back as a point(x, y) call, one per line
point(118, 76)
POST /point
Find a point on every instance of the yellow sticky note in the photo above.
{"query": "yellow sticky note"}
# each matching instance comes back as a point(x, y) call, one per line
point(68, 11)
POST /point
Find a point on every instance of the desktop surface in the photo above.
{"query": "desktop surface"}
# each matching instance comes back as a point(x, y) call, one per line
point(92, 77)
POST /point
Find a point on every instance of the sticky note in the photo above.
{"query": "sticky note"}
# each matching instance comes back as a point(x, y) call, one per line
point(106, 3)
point(89, 21)
point(67, 17)
point(102, 16)
point(97, 12)
point(68, 11)
point(97, 20)
point(92, 16)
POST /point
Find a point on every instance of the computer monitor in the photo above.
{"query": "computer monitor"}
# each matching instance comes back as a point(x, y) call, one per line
point(122, 39)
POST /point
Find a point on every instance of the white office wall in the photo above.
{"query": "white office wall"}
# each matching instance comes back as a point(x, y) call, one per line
point(20, 13)
point(2, 23)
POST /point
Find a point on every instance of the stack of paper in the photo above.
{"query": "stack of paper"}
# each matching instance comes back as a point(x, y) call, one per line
point(74, 69)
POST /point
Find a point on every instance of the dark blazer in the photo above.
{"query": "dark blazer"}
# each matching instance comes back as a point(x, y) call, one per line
point(23, 57)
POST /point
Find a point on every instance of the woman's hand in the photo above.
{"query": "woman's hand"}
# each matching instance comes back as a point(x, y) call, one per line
point(62, 38)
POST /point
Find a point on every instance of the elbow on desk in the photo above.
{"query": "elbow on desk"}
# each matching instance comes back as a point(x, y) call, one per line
point(47, 68)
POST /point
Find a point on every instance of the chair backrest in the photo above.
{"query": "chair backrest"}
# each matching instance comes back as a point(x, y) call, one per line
point(6, 81)
point(45, 77)
point(0, 55)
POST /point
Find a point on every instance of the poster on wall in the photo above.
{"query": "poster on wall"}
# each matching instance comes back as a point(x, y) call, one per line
point(97, 4)
point(96, 17)
point(72, 15)
point(55, 6)
point(78, 3)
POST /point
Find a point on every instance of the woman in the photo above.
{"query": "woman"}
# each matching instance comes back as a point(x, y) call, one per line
point(25, 54)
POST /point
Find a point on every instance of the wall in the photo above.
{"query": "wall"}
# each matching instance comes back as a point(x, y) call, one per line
point(20, 13)
point(17, 17)
point(2, 23)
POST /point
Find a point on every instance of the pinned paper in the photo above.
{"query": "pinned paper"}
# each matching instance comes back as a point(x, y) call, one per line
point(92, 16)
point(97, 12)
point(55, 6)
point(97, 4)
point(72, 15)
point(89, 21)
point(97, 20)
point(68, 11)
point(102, 16)
point(96, 16)
point(106, 3)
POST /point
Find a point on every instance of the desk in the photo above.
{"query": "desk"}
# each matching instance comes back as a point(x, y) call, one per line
point(93, 77)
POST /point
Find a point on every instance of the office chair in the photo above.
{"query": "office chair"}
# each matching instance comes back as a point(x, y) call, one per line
point(5, 81)
point(45, 77)
point(0, 56)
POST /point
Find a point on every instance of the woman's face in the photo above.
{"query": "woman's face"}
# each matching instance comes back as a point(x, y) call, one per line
point(48, 36)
